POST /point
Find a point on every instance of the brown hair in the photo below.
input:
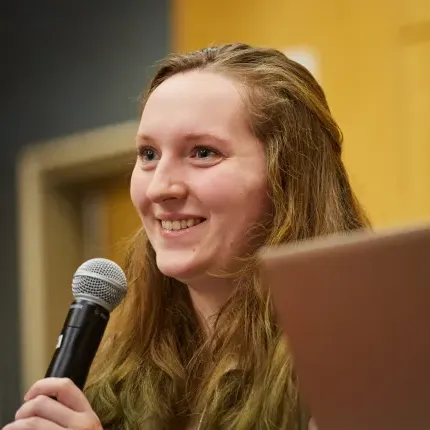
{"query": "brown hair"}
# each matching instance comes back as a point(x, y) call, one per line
point(156, 369)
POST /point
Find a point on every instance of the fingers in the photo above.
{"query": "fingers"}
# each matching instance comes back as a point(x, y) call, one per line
point(47, 408)
point(33, 423)
point(70, 410)
point(63, 389)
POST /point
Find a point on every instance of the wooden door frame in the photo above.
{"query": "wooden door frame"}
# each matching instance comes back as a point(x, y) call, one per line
point(46, 225)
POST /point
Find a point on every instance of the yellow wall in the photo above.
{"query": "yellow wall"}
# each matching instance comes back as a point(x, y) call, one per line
point(122, 221)
point(374, 55)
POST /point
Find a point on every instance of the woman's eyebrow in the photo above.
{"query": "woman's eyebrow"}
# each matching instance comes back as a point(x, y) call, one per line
point(188, 137)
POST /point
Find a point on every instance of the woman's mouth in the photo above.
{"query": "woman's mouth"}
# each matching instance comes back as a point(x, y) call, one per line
point(180, 224)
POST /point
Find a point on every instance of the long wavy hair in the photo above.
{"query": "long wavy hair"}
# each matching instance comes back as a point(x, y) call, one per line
point(156, 368)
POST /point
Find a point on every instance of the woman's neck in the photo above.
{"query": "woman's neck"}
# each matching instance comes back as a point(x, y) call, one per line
point(208, 298)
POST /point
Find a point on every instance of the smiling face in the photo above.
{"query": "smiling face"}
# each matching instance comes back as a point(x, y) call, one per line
point(200, 182)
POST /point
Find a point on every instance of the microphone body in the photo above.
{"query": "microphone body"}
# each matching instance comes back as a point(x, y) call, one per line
point(78, 342)
point(98, 286)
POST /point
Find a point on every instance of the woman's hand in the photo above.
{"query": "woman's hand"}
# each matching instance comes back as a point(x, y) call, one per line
point(70, 411)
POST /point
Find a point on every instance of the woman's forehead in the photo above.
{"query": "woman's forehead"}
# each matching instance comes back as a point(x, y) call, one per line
point(196, 102)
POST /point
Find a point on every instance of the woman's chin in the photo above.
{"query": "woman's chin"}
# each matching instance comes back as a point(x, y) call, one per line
point(183, 271)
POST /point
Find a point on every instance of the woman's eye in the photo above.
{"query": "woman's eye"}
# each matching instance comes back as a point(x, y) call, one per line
point(202, 152)
point(147, 154)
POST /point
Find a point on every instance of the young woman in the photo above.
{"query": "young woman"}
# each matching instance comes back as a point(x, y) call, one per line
point(236, 149)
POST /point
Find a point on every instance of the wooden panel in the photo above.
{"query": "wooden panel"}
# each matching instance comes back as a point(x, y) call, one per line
point(414, 11)
point(415, 127)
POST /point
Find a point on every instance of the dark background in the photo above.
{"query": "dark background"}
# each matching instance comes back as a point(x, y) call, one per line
point(65, 67)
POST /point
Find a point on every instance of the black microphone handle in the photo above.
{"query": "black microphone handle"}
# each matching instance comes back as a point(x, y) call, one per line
point(78, 342)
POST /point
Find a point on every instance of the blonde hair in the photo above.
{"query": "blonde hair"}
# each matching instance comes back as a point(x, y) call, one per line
point(156, 369)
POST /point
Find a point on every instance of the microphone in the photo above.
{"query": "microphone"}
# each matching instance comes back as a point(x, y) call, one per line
point(98, 287)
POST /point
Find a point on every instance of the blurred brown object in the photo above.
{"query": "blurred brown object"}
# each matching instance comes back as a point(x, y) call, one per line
point(355, 311)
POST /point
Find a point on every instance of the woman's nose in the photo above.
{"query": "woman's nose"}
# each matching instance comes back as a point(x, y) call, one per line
point(166, 183)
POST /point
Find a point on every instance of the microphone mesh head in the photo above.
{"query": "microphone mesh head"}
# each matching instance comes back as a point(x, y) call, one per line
point(100, 281)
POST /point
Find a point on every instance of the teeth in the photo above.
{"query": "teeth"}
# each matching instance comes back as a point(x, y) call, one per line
point(180, 224)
